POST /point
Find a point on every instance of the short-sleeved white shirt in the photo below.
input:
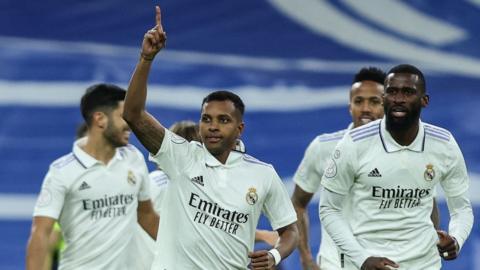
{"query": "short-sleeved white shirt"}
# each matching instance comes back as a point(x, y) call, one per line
point(143, 246)
point(211, 210)
point(95, 205)
point(308, 177)
point(391, 189)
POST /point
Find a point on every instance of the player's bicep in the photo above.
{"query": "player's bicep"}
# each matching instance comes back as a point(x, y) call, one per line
point(148, 131)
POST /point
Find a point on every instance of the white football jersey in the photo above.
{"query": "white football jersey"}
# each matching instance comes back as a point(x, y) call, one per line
point(391, 189)
point(143, 247)
point(309, 175)
point(95, 205)
point(211, 210)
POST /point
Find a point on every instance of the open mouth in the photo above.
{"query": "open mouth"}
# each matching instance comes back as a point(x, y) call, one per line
point(366, 119)
point(398, 112)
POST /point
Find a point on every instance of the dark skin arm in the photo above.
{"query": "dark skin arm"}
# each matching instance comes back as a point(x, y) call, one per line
point(148, 218)
point(288, 239)
point(147, 129)
point(300, 200)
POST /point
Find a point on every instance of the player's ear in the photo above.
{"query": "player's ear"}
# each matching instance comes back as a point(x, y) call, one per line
point(425, 100)
point(100, 119)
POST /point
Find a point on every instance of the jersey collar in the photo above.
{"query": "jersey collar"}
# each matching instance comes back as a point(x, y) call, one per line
point(390, 145)
point(84, 158)
point(233, 158)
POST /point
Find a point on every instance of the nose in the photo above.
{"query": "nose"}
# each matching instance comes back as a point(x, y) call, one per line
point(365, 107)
point(213, 126)
point(399, 97)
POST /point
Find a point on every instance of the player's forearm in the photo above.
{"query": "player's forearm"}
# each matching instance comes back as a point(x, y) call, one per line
point(461, 218)
point(300, 201)
point(288, 240)
point(137, 91)
point(149, 222)
point(338, 229)
point(37, 251)
point(303, 233)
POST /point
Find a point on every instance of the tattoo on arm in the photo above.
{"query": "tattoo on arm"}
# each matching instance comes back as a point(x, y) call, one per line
point(149, 131)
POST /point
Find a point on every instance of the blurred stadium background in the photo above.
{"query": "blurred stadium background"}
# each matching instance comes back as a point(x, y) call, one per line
point(291, 61)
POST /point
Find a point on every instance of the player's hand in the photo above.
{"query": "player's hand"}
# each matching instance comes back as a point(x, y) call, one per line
point(378, 263)
point(155, 38)
point(447, 246)
point(261, 259)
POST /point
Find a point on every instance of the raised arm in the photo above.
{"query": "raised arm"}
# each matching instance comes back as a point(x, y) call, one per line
point(38, 244)
point(147, 129)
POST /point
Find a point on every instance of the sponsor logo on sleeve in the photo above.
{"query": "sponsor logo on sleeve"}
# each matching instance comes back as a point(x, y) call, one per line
point(331, 170)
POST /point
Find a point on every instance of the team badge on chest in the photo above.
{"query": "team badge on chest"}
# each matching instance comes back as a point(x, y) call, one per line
point(252, 196)
point(429, 173)
point(131, 178)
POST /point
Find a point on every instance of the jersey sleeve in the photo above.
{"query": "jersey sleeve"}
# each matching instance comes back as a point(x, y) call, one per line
point(277, 207)
point(309, 173)
point(158, 185)
point(455, 181)
point(174, 154)
point(339, 174)
point(52, 196)
point(144, 192)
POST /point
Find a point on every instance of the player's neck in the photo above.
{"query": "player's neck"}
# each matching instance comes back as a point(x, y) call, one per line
point(99, 148)
point(223, 157)
point(404, 135)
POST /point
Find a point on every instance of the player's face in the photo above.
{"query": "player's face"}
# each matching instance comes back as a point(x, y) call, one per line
point(403, 100)
point(366, 102)
point(220, 126)
point(117, 131)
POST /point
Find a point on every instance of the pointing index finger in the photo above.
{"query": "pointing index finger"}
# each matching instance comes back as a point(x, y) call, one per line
point(158, 17)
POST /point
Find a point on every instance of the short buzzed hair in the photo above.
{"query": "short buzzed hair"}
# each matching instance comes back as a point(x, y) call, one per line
point(410, 69)
point(370, 74)
point(100, 97)
point(223, 95)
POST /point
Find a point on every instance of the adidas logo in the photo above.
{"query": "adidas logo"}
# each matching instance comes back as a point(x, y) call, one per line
point(374, 173)
point(198, 180)
point(84, 185)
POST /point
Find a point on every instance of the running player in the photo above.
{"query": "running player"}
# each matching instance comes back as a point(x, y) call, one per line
point(387, 171)
point(366, 105)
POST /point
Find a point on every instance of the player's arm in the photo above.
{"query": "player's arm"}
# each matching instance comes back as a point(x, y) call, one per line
point(147, 129)
point(300, 200)
point(148, 218)
point(287, 241)
point(269, 237)
point(461, 222)
point(38, 244)
point(455, 184)
point(435, 216)
point(331, 205)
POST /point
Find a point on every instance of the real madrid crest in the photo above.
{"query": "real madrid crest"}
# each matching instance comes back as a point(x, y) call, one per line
point(429, 173)
point(252, 196)
point(131, 178)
